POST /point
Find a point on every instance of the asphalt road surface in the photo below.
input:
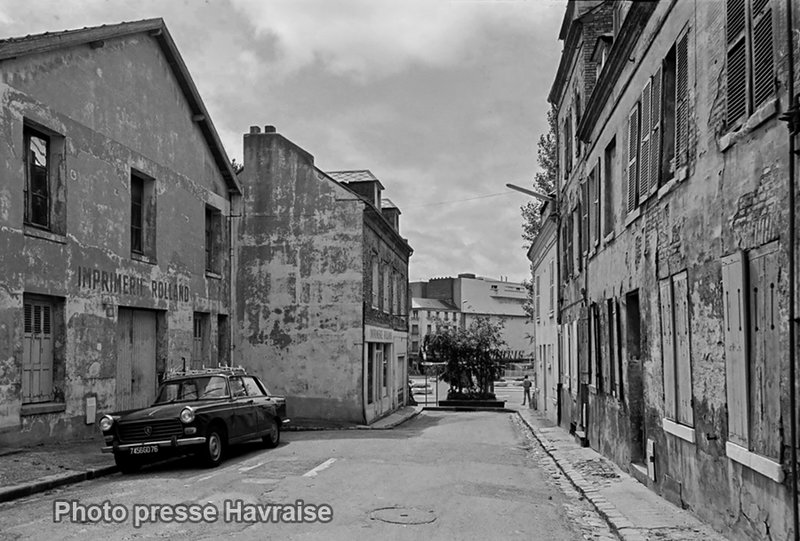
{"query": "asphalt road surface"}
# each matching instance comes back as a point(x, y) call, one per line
point(441, 475)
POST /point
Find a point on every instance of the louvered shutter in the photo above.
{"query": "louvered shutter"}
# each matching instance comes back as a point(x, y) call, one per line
point(644, 153)
point(736, 61)
point(633, 154)
point(681, 100)
point(763, 59)
point(655, 135)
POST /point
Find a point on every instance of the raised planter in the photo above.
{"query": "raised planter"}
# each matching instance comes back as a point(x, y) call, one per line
point(472, 403)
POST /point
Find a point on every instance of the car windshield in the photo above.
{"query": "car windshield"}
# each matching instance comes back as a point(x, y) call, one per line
point(198, 388)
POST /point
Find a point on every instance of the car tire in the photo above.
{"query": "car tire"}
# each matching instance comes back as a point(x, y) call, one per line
point(126, 463)
point(213, 447)
point(273, 437)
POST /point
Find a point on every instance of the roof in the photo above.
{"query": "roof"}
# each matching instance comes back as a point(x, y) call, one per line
point(431, 304)
point(360, 175)
point(157, 29)
point(387, 204)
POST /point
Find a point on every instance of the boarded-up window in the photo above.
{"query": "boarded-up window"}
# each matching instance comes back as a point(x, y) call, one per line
point(750, 57)
point(734, 306)
point(37, 354)
point(633, 157)
point(676, 348)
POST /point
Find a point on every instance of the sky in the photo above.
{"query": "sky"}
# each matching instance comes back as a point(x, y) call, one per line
point(443, 100)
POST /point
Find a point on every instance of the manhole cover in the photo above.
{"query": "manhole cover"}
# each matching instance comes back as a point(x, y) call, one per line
point(403, 515)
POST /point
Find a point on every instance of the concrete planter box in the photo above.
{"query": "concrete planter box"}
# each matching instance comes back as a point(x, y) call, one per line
point(472, 403)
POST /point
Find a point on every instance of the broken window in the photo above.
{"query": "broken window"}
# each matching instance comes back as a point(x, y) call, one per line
point(37, 178)
point(143, 215)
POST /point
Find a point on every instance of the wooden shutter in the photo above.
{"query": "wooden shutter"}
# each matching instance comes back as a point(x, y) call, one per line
point(574, 351)
point(37, 360)
point(538, 297)
point(683, 353)
point(681, 100)
point(655, 135)
point(763, 60)
point(667, 347)
point(585, 206)
point(596, 184)
point(644, 153)
point(734, 305)
point(633, 155)
point(736, 60)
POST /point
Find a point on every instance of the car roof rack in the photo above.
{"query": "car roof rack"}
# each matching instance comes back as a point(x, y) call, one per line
point(221, 370)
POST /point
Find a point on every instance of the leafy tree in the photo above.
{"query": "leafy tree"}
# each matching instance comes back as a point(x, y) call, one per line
point(472, 357)
point(237, 167)
point(543, 181)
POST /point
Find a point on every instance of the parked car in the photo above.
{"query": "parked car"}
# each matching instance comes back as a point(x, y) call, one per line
point(196, 412)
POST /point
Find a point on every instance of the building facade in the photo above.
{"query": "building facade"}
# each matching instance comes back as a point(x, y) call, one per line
point(673, 171)
point(323, 277)
point(115, 195)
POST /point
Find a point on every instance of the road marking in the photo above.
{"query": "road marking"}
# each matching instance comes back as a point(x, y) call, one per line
point(323, 466)
point(248, 468)
point(207, 477)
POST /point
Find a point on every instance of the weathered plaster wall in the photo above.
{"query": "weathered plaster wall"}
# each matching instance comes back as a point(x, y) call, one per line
point(118, 107)
point(300, 289)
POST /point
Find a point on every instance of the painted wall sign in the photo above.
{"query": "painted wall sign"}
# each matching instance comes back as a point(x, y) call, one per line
point(129, 284)
point(379, 334)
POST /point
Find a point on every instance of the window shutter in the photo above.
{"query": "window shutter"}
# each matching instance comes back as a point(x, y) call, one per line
point(644, 154)
point(667, 347)
point(596, 185)
point(681, 100)
point(683, 354)
point(736, 350)
point(538, 297)
point(585, 206)
point(736, 61)
point(655, 136)
point(633, 147)
point(763, 59)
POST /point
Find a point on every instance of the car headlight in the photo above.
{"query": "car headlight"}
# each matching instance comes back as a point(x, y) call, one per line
point(106, 423)
point(187, 415)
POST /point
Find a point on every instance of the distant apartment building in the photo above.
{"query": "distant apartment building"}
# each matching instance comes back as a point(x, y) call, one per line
point(461, 300)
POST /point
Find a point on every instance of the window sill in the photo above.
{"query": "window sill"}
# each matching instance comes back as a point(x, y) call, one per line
point(608, 239)
point(214, 275)
point(144, 259)
point(755, 462)
point(35, 232)
point(633, 216)
point(764, 113)
point(680, 176)
point(42, 408)
point(678, 430)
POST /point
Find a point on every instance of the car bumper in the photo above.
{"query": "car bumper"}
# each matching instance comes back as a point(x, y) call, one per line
point(182, 442)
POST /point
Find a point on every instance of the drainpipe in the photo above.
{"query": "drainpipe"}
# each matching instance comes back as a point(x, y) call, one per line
point(793, 118)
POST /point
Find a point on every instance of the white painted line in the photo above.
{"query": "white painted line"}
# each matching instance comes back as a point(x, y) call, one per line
point(248, 468)
point(207, 477)
point(323, 466)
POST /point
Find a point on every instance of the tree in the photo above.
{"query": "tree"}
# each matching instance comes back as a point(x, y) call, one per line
point(237, 167)
point(472, 357)
point(543, 181)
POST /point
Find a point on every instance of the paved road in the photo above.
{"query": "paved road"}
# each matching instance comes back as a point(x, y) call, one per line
point(442, 475)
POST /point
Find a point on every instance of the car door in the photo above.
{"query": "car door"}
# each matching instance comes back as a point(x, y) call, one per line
point(244, 422)
point(264, 408)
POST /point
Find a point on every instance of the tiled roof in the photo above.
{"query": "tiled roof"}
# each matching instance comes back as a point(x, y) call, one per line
point(431, 304)
point(48, 41)
point(352, 176)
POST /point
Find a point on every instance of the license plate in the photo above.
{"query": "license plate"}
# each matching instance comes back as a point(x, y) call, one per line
point(144, 450)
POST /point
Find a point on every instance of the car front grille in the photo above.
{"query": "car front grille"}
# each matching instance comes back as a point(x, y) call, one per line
point(161, 429)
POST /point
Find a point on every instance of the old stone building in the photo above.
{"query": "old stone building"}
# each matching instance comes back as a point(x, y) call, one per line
point(673, 206)
point(115, 194)
point(323, 277)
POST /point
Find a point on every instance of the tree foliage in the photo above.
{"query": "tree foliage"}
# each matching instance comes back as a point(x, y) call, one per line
point(472, 357)
point(543, 181)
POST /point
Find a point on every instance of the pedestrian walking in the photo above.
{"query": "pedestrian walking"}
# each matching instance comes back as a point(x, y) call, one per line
point(526, 391)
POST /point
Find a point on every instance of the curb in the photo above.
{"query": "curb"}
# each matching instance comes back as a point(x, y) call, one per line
point(468, 408)
point(603, 507)
point(294, 428)
point(53, 481)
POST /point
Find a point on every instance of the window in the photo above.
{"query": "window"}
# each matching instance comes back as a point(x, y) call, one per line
point(42, 328)
point(567, 145)
point(213, 239)
point(750, 62)
point(594, 197)
point(45, 174)
point(552, 287)
point(538, 296)
point(386, 289)
point(675, 349)
point(753, 288)
point(414, 346)
point(428, 329)
point(143, 215)
point(200, 358)
point(415, 329)
point(609, 158)
point(375, 281)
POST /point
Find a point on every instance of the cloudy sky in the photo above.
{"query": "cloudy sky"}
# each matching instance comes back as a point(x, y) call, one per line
point(443, 100)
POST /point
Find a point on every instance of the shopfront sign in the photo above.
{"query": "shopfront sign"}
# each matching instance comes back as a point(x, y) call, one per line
point(129, 284)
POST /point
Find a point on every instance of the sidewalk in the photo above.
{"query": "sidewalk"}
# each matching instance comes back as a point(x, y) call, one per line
point(29, 470)
point(634, 511)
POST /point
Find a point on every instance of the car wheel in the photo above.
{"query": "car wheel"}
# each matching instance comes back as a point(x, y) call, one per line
point(273, 437)
point(213, 447)
point(126, 463)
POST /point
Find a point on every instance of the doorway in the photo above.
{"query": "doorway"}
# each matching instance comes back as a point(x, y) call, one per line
point(136, 358)
point(633, 337)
